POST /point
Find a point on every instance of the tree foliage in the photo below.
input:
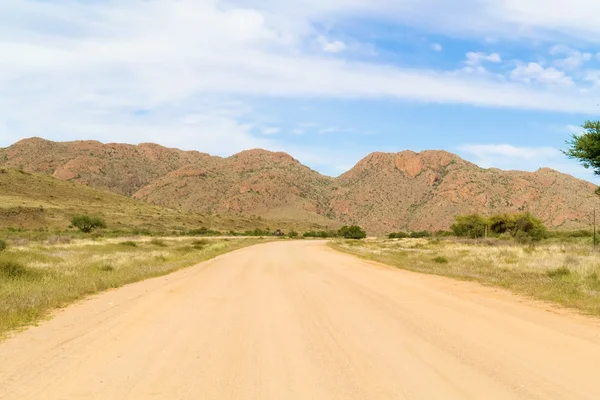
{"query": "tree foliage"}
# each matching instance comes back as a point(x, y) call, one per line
point(473, 226)
point(87, 223)
point(518, 226)
point(352, 232)
point(585, 147)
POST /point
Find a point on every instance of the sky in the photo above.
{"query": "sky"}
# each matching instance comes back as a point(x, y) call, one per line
point(502, 83)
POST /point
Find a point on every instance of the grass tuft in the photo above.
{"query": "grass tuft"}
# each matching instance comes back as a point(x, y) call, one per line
point(440, 260)
point(559, 272)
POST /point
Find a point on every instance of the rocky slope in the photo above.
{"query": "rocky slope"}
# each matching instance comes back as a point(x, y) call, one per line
point(384, 192)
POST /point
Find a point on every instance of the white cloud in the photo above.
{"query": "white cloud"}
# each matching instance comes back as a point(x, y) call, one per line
point(437, 47)
point(593, 76)
point(574, 59)
point(475, 59)
point(574, 129)
point(335, 46)
point(483, 151)
point(534, 72)
point(271, 130)
point(71, 70)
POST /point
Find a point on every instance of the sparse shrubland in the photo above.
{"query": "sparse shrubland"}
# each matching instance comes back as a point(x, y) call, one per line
point(565, 272)
point(36, 278)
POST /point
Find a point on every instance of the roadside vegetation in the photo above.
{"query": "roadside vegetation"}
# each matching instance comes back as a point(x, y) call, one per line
point(38, 277)
point(563, 270)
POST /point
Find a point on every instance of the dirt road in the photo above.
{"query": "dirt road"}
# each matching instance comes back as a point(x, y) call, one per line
point(296, 320)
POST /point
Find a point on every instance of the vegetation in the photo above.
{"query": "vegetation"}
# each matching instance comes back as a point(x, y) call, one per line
point(36, 278)
point(3, 245)
point(86, 223)
point(398, 235)
point(523, 227)
point(352, 232)
point(321, 234)
point(566, 273)
point(585, 147)
point(293, 234)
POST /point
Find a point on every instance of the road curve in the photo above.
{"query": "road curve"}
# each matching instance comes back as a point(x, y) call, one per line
point(297, 320)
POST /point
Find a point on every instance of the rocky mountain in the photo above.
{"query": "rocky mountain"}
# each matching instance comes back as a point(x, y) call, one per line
point(384, 192)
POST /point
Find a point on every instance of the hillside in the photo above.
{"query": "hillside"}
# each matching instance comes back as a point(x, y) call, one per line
point(32, 201)
point(384, 192)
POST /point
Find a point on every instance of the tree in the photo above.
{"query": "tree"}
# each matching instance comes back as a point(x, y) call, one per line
point(518, 225)
point(293, 234)
point(472, 226)
point(87, 223)
point(585, 147)
point(352, 232)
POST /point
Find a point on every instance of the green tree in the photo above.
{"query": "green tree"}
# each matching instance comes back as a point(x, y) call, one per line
point(518, 225)
point(585, 147)
point(352, 232)
point(87, 223)
point(472, 226)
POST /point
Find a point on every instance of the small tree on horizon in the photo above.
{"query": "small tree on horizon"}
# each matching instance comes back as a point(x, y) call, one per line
point(585, 147)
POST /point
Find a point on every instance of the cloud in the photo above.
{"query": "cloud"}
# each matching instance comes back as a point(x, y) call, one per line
point(475, 59)
point(483, 151)
point(270, 130)
point(535, 73)
point(335, 46)
point(436, 47)
point(574, 59)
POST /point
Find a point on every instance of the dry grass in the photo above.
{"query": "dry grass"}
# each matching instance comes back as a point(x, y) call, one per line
point(567, 274)
point(34, 279)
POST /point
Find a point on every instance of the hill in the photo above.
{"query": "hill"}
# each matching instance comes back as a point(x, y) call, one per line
point(384, 192)
point(31, 201)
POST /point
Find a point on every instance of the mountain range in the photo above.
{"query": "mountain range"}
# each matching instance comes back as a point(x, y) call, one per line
point(383, 192)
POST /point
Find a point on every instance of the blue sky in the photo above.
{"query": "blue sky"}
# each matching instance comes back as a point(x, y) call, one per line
point(502, 83)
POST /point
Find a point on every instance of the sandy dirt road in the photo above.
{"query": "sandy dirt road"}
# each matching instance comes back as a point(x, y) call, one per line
point(296, 320)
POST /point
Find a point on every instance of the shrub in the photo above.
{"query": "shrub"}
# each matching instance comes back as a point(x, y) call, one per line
point(519, 226)
point(12, 270)
point(3, 245)
point(352, 232)
point(559, 272)
point(472, 226)
point(440, 260)
point(420, 234)
point(293, 234)
point(158, 242)
point(86, 223)
point(398, 235)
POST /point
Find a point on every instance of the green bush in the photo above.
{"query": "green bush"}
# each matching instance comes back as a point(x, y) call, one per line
point(86, 223)
point(472, 226)
point(293, 234)
point(519, 226)
point(3, 245)
point(352, 232)
point(398, 235)
point(420, 234)
point(440, 260)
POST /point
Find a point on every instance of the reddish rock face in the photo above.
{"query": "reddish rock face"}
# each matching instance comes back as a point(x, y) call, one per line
point(383, 192)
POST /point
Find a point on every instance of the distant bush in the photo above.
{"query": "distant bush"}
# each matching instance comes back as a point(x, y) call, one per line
point(420, 234)
point(203, 232)
point(519, 226)
point(3, 245)
point(321, 234)
point(352, 232)
point(293, 234)
point(158, 242)
point(440, 260)
point(86, 223)
point(398, 235)
point(444, 234)
point(472, 226)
